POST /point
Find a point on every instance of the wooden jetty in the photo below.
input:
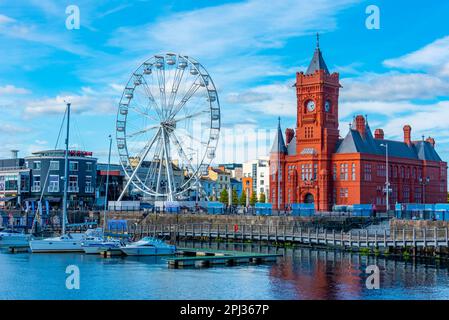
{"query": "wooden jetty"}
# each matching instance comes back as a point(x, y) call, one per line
point(403, 238)
point(194, 257)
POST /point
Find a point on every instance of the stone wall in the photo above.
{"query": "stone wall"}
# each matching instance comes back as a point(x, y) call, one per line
point(417, 224)
point(333, 222)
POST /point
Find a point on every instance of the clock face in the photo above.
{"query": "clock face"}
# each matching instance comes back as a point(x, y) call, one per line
point(327, 106)
point(310, 106)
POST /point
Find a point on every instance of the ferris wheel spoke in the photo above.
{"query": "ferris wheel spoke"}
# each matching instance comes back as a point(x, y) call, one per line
point(153, 165)
point(194, 115)
point(167, 165)
point(194, 139)
point(151, 98)
point(193, 88)
point(175, 86)
point(161, 83)
point(131, 135)
point(181, 152)
point(145, 114)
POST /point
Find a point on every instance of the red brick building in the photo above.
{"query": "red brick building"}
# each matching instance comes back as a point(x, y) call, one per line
point(318, 166)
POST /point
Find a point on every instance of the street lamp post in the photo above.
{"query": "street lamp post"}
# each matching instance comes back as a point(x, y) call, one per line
point(423, 183)
point(387, 178)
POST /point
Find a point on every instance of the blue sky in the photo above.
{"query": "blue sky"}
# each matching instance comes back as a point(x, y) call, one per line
point(397, 75)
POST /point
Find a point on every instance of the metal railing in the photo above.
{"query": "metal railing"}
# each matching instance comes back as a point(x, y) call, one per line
point(407, 237)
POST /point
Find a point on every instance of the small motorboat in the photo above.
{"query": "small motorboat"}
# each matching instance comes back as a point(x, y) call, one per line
point(148, 246)
point(14, 238)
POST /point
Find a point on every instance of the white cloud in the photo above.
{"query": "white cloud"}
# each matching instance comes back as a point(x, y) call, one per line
point(5, 19)
point(81, 104)
point(393, 86)
point(233, 28)
point(431, 57)
point(10, 89)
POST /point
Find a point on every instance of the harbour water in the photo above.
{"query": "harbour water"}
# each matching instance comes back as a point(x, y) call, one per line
point(303, 273)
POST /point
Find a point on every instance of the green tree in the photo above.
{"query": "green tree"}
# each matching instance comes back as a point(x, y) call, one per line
point(224, 196)
point(253, 198)
point(235, 197)
point(242, 201)
point(262, 198)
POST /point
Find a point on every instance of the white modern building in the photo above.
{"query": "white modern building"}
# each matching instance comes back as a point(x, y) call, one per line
point(258, 171)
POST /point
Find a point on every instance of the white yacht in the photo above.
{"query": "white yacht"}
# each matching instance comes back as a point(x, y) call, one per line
point(13, 238)
point(148, 246)
point(68, 242)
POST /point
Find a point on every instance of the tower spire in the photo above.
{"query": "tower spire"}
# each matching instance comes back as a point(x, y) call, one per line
point(317, 62)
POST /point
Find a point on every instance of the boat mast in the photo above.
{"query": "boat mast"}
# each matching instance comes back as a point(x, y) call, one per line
point(66, 171)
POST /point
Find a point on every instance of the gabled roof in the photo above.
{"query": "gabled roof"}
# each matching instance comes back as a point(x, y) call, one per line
point(278, 143)
point(355, 143)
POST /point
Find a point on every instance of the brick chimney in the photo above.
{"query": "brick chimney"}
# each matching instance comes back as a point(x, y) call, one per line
point(360, 125)
point(289, 134)
point(408, 134)
point(431, 141)
point(379, 134)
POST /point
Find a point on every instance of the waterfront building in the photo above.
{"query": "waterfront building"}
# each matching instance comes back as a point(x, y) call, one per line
point(256, 177)
point(315, 165)
point(116, 182)
point(47, 174)
point(221, 179)
point(235, 169)
point(14, 181)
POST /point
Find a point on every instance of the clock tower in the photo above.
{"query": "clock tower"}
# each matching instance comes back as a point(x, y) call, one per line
point(317, 131)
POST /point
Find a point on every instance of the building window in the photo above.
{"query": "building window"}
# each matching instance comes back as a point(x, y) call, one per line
point(88, 166)
point(306, 172)
point(36, 184)
point(344, 171)
point(335, 172)
point(53, 183)
point(89, 187)
point(54, 165)
point(36, 165)
point(315, 171)
point(73, 166)
point(344, 193)
point(381, 170)
point(73, 184)
point(402, 173)
point(367, 172)
point(406, 194)
point(353, 174)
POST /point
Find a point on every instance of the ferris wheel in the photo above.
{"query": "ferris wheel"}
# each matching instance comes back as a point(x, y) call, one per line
point(168, 125)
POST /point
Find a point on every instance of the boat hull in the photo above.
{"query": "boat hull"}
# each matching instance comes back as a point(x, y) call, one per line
point(49, 246)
